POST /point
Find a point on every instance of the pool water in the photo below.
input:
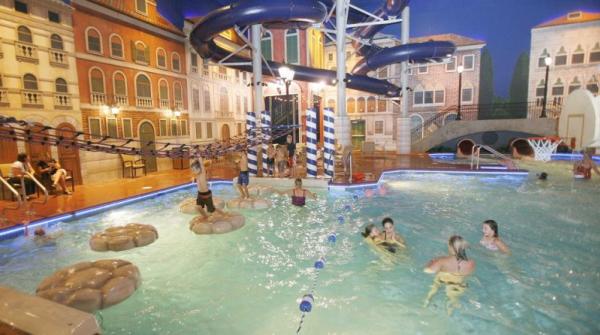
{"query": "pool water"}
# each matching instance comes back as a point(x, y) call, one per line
point(249, 281)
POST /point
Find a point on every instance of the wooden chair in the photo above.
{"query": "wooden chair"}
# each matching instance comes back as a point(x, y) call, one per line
point(5, 173)
point(130, 161)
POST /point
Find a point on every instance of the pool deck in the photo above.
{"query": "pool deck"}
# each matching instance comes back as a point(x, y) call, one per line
point(97, 194)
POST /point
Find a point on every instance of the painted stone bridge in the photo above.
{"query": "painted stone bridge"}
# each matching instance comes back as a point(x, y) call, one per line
point(496, 133)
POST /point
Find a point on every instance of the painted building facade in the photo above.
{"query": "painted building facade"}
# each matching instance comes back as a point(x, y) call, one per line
point(433, 88)
point(132, 70)
point(572, 41)
point(38, 75)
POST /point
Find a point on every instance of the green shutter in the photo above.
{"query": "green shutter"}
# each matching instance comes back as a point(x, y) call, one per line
point(133, 50)
point(147, 55)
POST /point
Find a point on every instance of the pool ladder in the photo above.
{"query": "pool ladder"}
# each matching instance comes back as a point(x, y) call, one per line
point(476, 155)
point(22, 198)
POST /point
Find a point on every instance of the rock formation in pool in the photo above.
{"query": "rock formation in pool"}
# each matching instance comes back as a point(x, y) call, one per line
point(217, 223)
point(124, 237)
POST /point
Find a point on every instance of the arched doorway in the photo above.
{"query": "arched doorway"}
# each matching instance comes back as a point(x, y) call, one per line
point(68, 155)
point(225, 135)
point(147, 145)
point(8, 146)
point(38, 147)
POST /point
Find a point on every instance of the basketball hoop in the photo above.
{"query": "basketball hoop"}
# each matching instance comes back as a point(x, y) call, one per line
point(544, 147)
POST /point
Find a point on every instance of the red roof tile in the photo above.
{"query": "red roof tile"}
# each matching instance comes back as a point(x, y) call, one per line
point(458, 40)
point(571, 18)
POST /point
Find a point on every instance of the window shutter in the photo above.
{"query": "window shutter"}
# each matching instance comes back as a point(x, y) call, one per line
point(147, 55)
point(133, 50)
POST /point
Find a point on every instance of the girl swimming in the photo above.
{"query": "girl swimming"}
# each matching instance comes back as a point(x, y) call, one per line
point(490, 238)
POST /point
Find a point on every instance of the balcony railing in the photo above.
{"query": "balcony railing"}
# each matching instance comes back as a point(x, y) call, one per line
point(62, 101)
point(121, 100)
point(221, 76)
point(98, 98)
point(26, 52)
point(164, 103)
point(58, 58)
point(178, 104)
point(194, 69)
point(3, 98)
point(32, 99)
point(143, 102)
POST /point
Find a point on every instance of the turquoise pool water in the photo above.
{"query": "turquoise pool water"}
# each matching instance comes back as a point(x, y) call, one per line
point(249, 281)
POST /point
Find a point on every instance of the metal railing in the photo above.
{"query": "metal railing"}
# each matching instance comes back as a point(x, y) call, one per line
point(15, 193)
point(476, 155)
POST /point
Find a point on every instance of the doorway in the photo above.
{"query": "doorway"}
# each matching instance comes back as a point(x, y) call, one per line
point(358, 133)
point(225, 135)
point(68, 155)
point(147, 145)
point(282, 111)
point(38, 148)
point(8, 146)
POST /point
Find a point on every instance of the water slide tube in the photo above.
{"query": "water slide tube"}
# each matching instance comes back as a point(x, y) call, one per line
point(302, 14)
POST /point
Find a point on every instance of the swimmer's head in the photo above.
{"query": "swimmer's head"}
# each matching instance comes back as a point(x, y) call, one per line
point(370, 231)
point(543, 176)
point(40, 232)
point(298, 182)
point(458, 247)
point(490, 228)
point(388, 224)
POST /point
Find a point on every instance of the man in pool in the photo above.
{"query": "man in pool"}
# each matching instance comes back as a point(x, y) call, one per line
point(244, 177)
point(204, 198)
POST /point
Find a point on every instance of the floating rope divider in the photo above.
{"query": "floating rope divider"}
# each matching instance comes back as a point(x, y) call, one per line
point(308, 299)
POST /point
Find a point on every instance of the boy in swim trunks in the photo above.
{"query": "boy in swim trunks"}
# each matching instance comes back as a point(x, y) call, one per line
point(244, 177)
point(204, 198)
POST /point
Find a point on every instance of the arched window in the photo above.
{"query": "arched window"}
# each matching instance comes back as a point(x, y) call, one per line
point(24, 35)
point(266, 45)
point(416, 125)
point(361, 105)
point(178, 92)
point(97, 81)
point(175, 62)
point(292, 46)
point(575, 84)
point(449, 118)
point(141, 53)
point(120, 86)
point(542, 58)
point(116, 46)
point(61, 86)
point(30, 82)
point(595, 53)
point(143, 88)
point(56, 42)
point(161, 58)
point(224, 100)
point(93, 40)
point(381, 105)
point(140, 6)
point(578, 55)
point(331, 103)
point(558, 89)
point(371, 105)
point(592, 85)
point(561, 57)
point(163, 93)
point(350, 106)
point(206, 97)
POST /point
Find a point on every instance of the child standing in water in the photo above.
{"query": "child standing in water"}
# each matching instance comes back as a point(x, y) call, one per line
point(204, 197)
point(244, 177)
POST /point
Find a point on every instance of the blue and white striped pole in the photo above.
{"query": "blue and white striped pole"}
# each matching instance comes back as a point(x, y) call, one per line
point(311, 142)
point(252, 133)
point(329, 134)
point(266, 132)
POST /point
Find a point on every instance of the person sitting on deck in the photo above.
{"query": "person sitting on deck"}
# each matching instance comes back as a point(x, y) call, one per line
point(53, 170)
point(583, 168)
point(244, 177)
point(204, 197)
point(298, 193)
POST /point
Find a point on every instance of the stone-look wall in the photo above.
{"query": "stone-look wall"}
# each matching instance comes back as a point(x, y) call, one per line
point(570, 37)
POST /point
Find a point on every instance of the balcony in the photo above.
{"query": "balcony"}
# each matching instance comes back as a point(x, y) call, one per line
point(205, 73)
point(220, 76)
point(4, 98)
point(31, 99)
point(194, 69)
point(121, 100)
point(26, 52)
point(58, 58)
point(98, 98)
point(179, 104)
point(62, 101)
point(164, 104)
point(143, 102)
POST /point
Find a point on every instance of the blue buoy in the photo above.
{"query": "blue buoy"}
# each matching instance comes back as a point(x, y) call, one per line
point(341, 219)
point(306, 303)
point(320, 263)
point(331, 238)
point(348, 208)
point(355, 197)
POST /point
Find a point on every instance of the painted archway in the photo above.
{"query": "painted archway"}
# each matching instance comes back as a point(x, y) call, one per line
point(147, 137)
point(38, 148)
point(8, 146)
point(225, 133)
point(68, 155)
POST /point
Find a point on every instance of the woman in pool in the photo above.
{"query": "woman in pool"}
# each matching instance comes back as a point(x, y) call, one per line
point(490, 239)
point(583, 168)
point(389, 234)
point(298, 193)
point(451, 270)
point(373, 235)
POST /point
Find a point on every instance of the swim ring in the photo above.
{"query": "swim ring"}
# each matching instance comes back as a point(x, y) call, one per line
point(217, 223)
point(125, 237)
point(90, 286)
point(188, 206)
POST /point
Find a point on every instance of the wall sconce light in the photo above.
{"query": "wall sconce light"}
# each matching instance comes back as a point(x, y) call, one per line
point(177, 113)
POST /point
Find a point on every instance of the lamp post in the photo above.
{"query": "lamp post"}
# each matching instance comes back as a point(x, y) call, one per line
point(460, 70)
point(287, 75)
point(548, 62)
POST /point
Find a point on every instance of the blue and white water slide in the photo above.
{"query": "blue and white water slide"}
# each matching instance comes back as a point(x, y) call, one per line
point(303, 14)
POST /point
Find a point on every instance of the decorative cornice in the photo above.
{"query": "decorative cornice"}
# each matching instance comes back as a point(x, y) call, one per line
point(123, 64)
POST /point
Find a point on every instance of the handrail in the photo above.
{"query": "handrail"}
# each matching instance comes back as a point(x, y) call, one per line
point(38, 185)
point(15, 192)
point(476, 155)
point(350, 163)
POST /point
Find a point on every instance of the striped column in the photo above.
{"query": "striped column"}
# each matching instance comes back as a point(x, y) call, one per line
point(329, 134)
point(252, 134)
point(311, 142)
point(266, 136)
